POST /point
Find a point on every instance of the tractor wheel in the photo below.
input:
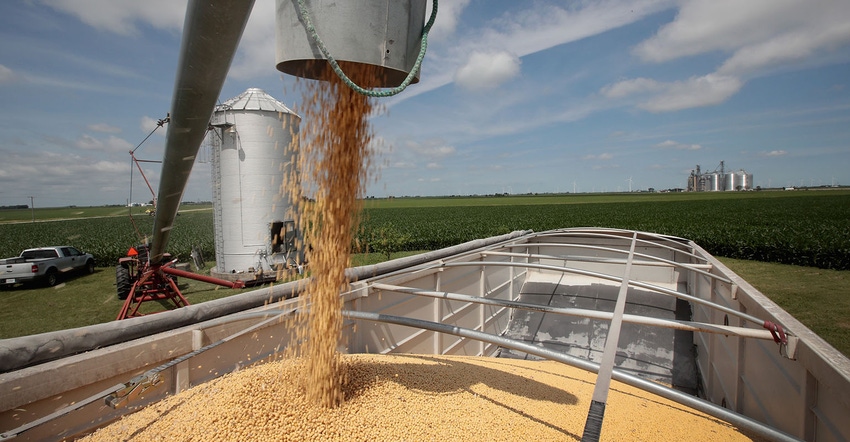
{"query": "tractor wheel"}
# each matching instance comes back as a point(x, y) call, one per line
point(122, 282)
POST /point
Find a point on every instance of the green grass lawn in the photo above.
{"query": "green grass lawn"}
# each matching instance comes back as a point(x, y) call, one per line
point(818, 298)
point(81, 300)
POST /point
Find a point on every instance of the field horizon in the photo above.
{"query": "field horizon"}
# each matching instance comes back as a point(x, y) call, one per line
point(792, 227)
point(742, 226)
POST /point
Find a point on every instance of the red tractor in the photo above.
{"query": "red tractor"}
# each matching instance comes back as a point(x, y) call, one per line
point(137, 280)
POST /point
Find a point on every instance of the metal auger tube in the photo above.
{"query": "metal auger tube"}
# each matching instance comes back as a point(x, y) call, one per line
point(211, 34)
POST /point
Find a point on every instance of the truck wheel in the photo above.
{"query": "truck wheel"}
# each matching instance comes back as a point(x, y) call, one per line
point(122, 281)
point(90, 266)
point(51, 278)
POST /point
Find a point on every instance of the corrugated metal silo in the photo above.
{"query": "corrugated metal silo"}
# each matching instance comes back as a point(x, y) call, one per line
point(745, 180)
point(740, 180)
point(252, 151)
point(713, 182)
point(732, 181)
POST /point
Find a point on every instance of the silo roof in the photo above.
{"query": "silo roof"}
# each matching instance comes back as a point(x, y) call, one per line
point(254, 99)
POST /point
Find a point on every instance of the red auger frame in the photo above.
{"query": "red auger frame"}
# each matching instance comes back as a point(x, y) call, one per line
point(138, 281)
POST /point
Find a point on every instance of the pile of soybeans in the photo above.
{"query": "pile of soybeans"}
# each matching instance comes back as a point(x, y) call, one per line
point(414, 398)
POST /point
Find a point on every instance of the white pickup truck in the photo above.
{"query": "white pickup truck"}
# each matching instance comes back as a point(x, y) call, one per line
point(44, 264)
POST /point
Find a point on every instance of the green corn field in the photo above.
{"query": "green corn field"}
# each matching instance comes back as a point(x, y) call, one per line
point(808, 228)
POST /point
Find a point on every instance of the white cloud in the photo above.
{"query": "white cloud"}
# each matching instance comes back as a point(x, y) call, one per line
point(605, 166)
point(256, 54)
point(54, 176)
point(6, 75)
point(774, 153)
point(111, 144)
point(707, 90)
point(786, 48)
point(659, 96)
point(670, 144)
point(448, 15)
point(487, 70)
point(600, 157)
point(630, 87)
point(122, 16)
point(61, 83)
point(104, 128)
point(148, 124)
point(758, 35)
point(109, 167)
point(88, 142)
point(431, 149)
point(711, 25)
point(532, 28)
point(730, 25)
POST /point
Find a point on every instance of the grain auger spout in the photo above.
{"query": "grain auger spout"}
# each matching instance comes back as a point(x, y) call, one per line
point(211, 34)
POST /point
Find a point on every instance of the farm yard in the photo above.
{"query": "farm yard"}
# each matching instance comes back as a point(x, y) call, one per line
point(756, 233)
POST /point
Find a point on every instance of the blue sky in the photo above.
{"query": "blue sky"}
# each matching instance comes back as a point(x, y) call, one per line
point(516, 96)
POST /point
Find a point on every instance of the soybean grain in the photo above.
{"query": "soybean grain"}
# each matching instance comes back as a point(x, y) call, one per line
point(414, 398)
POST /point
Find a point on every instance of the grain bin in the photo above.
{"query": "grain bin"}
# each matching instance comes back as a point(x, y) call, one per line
point(746, 180)
point(714, 182)
point(253, 143)
point(740, 180)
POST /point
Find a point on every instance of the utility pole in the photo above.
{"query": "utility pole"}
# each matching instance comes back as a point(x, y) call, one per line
point(32, 209)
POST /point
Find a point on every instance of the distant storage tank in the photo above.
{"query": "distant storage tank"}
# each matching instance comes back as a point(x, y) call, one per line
point(747, 180)
point(714, 182)
point(731, 181)
point(740, 180)
point(252, 151)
